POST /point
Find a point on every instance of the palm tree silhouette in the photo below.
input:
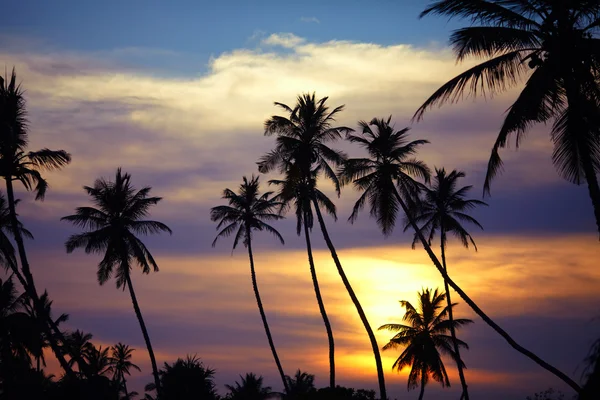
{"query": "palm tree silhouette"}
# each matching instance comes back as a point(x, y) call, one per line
point(296, 189)
point(246, 212)
point(444, 208)
point(301, 142)
point(79, 345)
point(121, 364)
point(424, 338)
point(110, 229)
point(385, 180)
point(301, 386)
point(250, 388)
point(18, 164)
point(556, 40)
point(185, 379)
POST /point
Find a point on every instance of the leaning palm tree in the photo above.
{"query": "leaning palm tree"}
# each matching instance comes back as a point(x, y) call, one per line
point(385, 180)
point(302, 142)
point(424, 339)
point(111, 229)
point(247, 211)
point(295, 191)
point(18, 164)
point(444, 208)
point(121, 365)
point(552, 43)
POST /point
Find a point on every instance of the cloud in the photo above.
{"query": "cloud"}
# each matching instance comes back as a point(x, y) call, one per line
point(309, 20)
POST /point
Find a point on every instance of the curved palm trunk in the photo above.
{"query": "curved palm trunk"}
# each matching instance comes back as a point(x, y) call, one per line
point(138, 314)
point(262, 312)
point(359, 309)
point(422, 384)
point(313, 274)
point(28, 284)
point(479, 311)
point(461, 374)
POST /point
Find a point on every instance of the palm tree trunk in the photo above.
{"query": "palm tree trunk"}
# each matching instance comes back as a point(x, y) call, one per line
point(262, 312)
point(125, 386)
point(37, 361)
point(29, 285)
point(313, 274)
point(359, 309)
point(138, 314)
point(461, 374)
point(423, 375)
point(479, 311)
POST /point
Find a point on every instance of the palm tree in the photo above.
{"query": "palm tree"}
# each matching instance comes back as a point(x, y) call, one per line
point(301, 386)
point(18, 164)
point(302, 142)
point(443, 208)
point(121, 364)
point(385, 180)
point(111, 229)
point(98, 361)
point(185, 379)
point(246, 212)
point(297, 189)
point(424, 338)
point(79, 345)
point(554, 44)
point(251, 388)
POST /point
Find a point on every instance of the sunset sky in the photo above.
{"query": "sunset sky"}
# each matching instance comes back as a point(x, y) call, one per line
point(177, 93)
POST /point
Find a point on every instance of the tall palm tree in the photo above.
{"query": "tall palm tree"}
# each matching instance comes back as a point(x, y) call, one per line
point(250, 388)
point(555, 45)
point(444, 208)
point(111, 229)
point(121, 364)
point(424, 339)
point(297, 189)
point(302, 141)
point(247, 211)
point(385, 178)
point(18, 164)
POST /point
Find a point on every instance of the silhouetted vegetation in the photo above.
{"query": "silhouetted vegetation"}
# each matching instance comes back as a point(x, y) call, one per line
point(551, 45)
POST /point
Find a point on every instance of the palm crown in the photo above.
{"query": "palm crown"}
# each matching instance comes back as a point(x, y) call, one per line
point(557, 41)
point(120, 360)
point(424, 338)
point(16, 163)
point(302, 139)
point(444, 206)
point(247, 211)
point(391, 167)
point(112, 226)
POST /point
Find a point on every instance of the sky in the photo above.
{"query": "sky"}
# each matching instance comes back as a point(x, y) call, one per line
point(177, 92)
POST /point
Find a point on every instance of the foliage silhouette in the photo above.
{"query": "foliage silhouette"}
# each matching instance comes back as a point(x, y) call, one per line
point(250, 388)
point(121, 364)
point(111, 229)
point(18, 164)
point(443, 208)
point(246, 211)
point(301, 152)
point(185, 379)
point(300, 387)
point(424, 338)
point(386, 175)
point(558, 42)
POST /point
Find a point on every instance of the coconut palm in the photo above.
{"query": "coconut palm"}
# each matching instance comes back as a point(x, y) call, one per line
point(424, 339)
point(79, 345)
point(250, 388)
point(385, 180)
point(98, 361)
point(295, 192)
point(246, 212)
point(121, 364)
point(302, 142)
point(301, 386)
point(552, 45)
point(18, 164)
point(185, 379)
point(444, 208)
point(111, 229)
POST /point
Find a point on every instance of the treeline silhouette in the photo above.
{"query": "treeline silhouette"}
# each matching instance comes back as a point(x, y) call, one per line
point(552, 43)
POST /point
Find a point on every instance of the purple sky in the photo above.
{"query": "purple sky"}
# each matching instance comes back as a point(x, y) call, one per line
point(189, 123)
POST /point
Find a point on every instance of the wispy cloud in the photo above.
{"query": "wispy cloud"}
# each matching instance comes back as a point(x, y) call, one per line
point(313, 20)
